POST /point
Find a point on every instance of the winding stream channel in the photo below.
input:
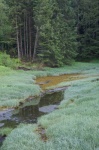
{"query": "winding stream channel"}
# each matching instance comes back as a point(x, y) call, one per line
point(32, 109)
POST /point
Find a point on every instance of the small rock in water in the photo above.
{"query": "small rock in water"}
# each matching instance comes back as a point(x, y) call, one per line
point(48, 109)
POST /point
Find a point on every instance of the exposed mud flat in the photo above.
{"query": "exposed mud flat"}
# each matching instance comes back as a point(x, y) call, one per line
point(49, 81)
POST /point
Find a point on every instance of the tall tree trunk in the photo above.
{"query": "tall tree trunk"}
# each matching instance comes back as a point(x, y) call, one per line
point(30, 48)
point(25, 33)
point(18, 43)
point(36, 41)
point(21, 44)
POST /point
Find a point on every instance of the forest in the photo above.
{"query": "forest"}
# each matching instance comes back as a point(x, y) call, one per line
point(49, 75)
point(54, 32)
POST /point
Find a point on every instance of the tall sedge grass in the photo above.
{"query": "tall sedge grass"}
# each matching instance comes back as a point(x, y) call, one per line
point(16, 85)
point(74, 126)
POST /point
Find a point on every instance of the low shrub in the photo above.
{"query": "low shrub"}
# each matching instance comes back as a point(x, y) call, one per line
point(6, 61)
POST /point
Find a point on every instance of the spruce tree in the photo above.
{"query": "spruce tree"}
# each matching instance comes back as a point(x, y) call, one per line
point(5, 27)
point(88, 29)
point(57, 36)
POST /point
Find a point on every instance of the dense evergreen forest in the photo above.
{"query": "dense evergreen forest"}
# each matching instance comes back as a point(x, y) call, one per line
point(52, 31)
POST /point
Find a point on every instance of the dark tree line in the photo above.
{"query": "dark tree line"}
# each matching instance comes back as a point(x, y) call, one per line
point(55, 31)
point(88, 29)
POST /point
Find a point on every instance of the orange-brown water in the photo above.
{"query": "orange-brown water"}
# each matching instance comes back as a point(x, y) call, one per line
point(49, 81)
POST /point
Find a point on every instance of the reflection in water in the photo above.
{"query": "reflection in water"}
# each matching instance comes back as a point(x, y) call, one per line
point(30, 111)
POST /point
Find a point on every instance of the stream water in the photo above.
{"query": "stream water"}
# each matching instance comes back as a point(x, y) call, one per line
point(31, 110)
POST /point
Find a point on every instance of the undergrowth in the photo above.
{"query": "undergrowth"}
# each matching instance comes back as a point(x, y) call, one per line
point(6, 61)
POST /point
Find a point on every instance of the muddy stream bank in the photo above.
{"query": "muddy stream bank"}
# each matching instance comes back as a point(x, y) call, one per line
point(37, 106)
point(33, 108)
point(51, 81)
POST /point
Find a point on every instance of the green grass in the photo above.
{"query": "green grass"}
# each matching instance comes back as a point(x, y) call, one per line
point(74, 126)
point(5, 131)
point(5, 71)
point(17, 85)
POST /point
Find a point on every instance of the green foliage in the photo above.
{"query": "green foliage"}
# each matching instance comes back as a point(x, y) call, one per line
point(88, 29)
point(5, 27)
point(5, 131)
point(63, 27)
point(5, 71)
point(6, 61)
point(57, 38)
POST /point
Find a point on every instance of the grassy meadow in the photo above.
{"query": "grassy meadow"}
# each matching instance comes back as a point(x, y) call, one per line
point(73, 126)
point(17, 85)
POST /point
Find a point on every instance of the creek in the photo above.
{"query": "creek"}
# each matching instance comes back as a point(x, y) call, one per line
point(31, 110)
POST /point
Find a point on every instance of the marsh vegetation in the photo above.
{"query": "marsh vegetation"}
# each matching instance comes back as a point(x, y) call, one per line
point(73, 125)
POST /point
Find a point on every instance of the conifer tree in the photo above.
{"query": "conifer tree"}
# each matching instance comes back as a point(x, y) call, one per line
point(57, 38)
point(88, 29)
point(5, 28)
